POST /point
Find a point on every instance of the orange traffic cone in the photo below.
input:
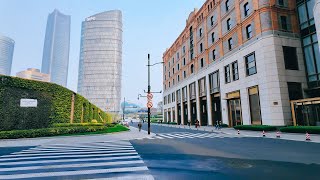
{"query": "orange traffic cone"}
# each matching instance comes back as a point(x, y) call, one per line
point(308, 137)
point(238, 131)
point(278, 134)
point(263, 134)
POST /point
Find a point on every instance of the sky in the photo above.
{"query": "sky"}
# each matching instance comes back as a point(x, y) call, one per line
point(149, 26)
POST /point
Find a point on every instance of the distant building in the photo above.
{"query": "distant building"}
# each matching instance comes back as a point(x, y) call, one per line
point(55, 58)
point(34, 74)
point(6, 54)
point(100, 64)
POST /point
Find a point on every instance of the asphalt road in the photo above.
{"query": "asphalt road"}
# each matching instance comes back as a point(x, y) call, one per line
point(217, 156)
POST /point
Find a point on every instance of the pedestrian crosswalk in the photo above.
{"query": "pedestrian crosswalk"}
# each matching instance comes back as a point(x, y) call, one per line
point(107, 160)
point(186, 135)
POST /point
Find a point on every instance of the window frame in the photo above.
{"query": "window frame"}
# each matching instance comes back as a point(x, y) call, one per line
point(247, 64)
point(246, 9)
point(230, 43)
point(229, 24)
point(235, 70)
point(214, 54)
point(284, 25)
point(227, 5)
point(249, 34)
point(227, 74)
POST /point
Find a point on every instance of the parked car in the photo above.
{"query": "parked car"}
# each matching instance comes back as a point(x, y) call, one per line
point(125, 123)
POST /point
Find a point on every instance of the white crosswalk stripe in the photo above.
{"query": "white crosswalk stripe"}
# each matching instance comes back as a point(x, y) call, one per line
point(72, 161)
point(187, 135)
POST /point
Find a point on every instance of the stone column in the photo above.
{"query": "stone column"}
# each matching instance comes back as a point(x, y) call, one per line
point(198, 102)
point(181, 108)
point(188, 103)
point(209, 109)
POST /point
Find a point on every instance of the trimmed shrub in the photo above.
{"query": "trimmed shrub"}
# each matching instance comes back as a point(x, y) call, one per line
point(174, 123)
point(75, 124)
point(94, 121)
point(224, 125)
point(54, 105)
point(256, 127)
point(301, 129)
point(32, 133)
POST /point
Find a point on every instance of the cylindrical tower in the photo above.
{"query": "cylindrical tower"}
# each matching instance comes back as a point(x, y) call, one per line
point(100, 66)
point(6, 54)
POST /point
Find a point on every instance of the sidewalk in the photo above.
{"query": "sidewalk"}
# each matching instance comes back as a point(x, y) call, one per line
point(315, 138)
point(119, 136)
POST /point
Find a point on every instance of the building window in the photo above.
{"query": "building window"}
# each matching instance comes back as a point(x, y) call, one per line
point(235, 72)
point(165, 77)
point(201, 63)
point(290, 58)
point(213, 54)
point(249, 31)
point(178, 67)
point(184, 74)
point(211, 20)
point(312, 59)
point(191, 68)
point(227, 5)
point(172, 61)
point(169, 84)
point(246, 9)
point(229, 24)
point(169, 73)
point(172, 82)
point(227, 73)
point(192, 91)
point(230, 43)
point(202, 87)
point(169, 64)
point(212, 37)
point(281, 3)
point(295, 91)
point(254, 106)
point(200, 32)
point(178, 55)
point(165, 68)
point(251, 64)
point(184, 61)
point(178, 78)
point(184, 49)
point(284, 24)
point(214, 82)
point(201, 47)
point(172, 71)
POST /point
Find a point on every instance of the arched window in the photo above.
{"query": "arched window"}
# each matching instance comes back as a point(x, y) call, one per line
point(227, 5)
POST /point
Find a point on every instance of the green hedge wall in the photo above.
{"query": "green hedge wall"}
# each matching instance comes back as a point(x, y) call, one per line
point(256, 127)
point(54, 105)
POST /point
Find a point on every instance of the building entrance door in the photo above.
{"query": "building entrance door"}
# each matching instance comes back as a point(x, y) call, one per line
point(216, 110)
point(235, 112)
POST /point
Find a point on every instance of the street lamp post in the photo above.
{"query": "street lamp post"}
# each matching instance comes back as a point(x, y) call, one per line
point(149, 90)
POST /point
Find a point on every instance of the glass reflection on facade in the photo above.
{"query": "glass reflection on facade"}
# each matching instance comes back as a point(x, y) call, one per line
point(309, 41)
point(100, 64)
point(6, 53)
point(55, 59)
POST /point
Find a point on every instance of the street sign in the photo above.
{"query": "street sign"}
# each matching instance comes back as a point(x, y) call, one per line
point(149, 96)
point(149, 104)
point(28, 103)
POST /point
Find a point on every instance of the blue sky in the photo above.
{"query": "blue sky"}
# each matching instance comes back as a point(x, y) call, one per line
point(149, 26)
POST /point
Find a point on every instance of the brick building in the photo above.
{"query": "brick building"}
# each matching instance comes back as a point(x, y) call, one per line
point(236, 61)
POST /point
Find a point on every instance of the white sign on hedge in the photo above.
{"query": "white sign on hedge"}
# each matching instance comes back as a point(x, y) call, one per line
point(28, 103)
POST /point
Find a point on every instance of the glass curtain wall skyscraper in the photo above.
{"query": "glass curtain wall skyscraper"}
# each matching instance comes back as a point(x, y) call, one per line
point(55, 59)
point(100, 66)
point(6, 54)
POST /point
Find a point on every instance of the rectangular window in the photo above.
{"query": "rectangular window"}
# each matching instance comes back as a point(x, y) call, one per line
point(235, 73)
point(192, 89)
point(250, 64)
point(201, 63)
point(281, 3)
point(290, 58)
point(246, 9)
point(184, 49)
point(254, 106)
point(178, 56)
point(211, 20)
point(230, 43)
point(184, 74)
point(213, 54)
point(212, 37)
point(200, 32)
point(229, 24)
point(227, 73)
point(184, 93)
point(249, 31)
point(184, 61)
point(284, 24)
point(202, 87)
point(295, 91)
point(214, 82)
point(227, 5)
point(201, 47)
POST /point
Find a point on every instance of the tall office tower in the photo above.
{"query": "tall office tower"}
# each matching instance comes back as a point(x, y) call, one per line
point(101, 60)
point(6, 53)
point(55, 59)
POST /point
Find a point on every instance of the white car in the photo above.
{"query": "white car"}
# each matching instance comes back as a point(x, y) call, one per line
point(125, 123)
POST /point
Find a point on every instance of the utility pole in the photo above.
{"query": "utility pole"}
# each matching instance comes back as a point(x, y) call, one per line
point(149, 89)
point(124, 107)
